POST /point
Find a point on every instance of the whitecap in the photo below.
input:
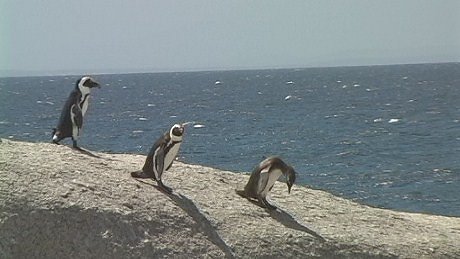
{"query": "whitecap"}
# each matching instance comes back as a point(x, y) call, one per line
point(393, 120)
point(142, 119)
point(198, 126)
point(289, 82)
point(287, 97)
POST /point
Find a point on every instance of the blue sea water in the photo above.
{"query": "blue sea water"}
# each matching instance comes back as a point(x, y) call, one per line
point(387, 136)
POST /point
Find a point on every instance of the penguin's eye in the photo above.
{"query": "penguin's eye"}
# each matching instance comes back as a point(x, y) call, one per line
point(85, 83)
point(177, 131)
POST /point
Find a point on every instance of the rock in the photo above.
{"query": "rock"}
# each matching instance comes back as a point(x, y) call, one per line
point(95, 209)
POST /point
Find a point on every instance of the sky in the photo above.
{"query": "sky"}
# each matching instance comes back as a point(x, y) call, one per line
point(113, 36)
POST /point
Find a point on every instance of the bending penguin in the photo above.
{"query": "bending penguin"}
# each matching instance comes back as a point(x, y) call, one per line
point(71, 120)
point(162, 155)
point(264, 177)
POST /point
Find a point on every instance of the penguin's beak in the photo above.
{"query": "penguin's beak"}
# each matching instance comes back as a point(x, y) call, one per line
point(183, 125)
point(95, 84)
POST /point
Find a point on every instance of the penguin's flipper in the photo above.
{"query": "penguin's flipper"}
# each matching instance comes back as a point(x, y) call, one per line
point(77, 121)
point(263, 181)
point(158, 161)
point(78, 116)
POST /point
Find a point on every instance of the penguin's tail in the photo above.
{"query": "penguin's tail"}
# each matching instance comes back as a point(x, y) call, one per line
point(140, 174)
point(241, 193)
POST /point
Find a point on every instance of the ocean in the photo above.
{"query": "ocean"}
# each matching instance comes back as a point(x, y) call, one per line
point(386, 136)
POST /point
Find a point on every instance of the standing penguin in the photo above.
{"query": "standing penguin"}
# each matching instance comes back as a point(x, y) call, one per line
point(162, 155)
point(264, 177)
point(71, 120)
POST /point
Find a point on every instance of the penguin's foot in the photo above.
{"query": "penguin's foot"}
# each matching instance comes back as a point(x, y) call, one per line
point(164, 187)
point(74, 145)
point(266, 204)
point(56, 142)
point(271, 207)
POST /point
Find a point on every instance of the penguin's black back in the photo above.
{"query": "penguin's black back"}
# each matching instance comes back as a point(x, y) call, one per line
point(251, 187)
point(65, 122)
point(148, 165)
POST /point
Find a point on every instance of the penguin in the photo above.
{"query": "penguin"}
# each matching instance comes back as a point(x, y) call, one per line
point(263, 178)
point(71, 120)
point(162, 155)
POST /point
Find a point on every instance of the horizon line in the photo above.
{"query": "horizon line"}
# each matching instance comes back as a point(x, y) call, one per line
point(5, 73)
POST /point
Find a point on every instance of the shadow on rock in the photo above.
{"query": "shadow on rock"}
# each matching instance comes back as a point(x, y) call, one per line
point(289, 221)
point(283, 217)
point(201, 220)
point(86, 152)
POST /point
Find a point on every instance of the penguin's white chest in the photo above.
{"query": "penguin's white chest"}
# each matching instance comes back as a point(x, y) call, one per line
point(273, 176)
point(84, 105)
point(171, 155)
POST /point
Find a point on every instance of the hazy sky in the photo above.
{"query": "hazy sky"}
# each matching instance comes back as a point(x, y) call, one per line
point(94, 36)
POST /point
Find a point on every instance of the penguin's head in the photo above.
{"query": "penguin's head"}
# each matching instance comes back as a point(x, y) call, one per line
point(176, 132)
point(56, 134)
point(86, 82)
point(290, 175)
